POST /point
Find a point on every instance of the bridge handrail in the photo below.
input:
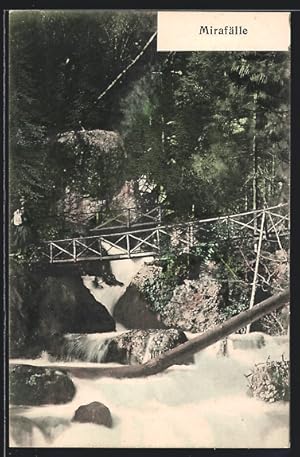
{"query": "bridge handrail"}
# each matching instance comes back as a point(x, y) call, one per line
point(167, 226)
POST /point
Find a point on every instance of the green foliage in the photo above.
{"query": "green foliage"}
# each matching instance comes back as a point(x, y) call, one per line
point(158, 290)
point(59, 62)
point(235, 301)
point(188, 121)
point(270, 381)
point(195, 140)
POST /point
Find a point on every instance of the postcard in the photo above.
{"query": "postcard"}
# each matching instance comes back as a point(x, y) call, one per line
point(148, 193)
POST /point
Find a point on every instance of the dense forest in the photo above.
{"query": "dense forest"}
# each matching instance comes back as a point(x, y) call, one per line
point(100, 122)
point(208, 131)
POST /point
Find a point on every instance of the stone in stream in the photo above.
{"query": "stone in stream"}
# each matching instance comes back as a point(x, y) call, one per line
point(31, 385)
point(139, 346)
point(94, 412)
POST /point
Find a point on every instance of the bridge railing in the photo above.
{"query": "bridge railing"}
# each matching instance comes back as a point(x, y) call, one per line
point(128, 217)
point(132, 243)
point(106, 247)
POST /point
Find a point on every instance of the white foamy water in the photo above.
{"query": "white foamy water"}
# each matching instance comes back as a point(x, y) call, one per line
point(189, 406)
point(200, 405)
point(124, 271)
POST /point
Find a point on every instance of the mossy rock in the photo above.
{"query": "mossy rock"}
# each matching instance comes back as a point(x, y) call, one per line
point(31, 385)
point(138, 346)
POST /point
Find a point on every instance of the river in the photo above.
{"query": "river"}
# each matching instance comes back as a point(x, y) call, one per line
point(191, 406)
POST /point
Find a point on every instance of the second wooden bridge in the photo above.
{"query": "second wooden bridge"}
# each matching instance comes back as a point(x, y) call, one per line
point(132, 242)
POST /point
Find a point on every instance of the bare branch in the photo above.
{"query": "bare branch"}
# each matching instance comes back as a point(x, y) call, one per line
point(111, 85)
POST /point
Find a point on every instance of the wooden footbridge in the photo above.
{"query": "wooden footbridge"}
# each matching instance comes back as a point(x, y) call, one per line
point(146, 234)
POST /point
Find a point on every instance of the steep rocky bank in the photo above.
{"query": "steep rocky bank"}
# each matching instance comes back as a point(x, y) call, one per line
point(132, 311)
point(43, 307)
point(193, 305)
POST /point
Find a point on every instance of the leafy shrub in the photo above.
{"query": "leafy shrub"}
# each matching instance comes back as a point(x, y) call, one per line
point(158, 291)
point(275, 323)
point(269, 381)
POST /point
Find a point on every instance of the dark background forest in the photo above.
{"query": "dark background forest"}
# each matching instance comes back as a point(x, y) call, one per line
point(209, 131)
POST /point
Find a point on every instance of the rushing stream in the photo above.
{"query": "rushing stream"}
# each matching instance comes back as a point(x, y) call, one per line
point(200, 405)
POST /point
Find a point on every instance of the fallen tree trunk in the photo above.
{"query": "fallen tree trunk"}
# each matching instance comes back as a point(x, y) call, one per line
point(192, 346)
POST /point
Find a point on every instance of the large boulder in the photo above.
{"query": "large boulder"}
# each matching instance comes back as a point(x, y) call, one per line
point(102, 157)
point(32, 385)
point(139, 346)
point(193, 305)
point(23, 313)
point(132, 311)
point(95, 413)
point(67, 306)
point(44, 306)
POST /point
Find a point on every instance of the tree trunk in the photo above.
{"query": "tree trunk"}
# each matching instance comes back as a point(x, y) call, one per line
point(111, 85)
point(192, 346)
point(254, 162)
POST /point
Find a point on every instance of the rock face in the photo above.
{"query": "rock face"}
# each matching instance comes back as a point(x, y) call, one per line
point(193, 305)
point(31, 385)
point(67, 306)
point(132, 311)
point(44, 307)
point(102, 154)
point(139, 346)
point(94, 412)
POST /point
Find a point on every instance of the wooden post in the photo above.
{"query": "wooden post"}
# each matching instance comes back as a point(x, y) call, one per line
point(128, 245)
point(275, 230)
point(158, 239)
point(191, 235)
point(74, 250)
point(128, 217)
point(100, 247)
point(159, 214)
point(256, 265)
point(228, 227)
point(51, 253)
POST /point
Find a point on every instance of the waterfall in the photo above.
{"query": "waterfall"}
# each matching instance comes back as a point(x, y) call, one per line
point(204, 404)
point(124, 271)
point(91, 347)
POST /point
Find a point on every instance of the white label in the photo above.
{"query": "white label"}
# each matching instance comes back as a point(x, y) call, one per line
point(223, 31)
